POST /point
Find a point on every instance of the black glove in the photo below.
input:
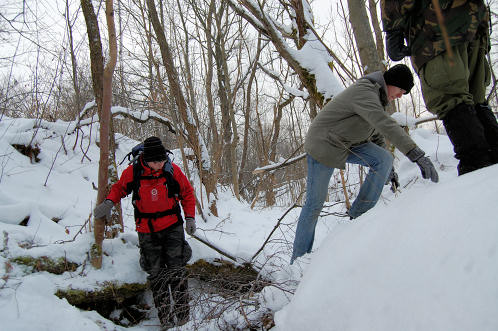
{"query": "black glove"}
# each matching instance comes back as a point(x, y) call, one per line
point(190, 225)
point(104, 209)
point(395, 45)
point(424, 163)
point(393, 180)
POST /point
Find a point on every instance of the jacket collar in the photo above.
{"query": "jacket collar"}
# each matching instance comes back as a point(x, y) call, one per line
point(377, 77)
point(148, 170)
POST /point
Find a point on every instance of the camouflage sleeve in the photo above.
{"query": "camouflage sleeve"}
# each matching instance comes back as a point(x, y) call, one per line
point(396, 14)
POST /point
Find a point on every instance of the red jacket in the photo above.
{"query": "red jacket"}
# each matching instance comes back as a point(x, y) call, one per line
point(154, 196)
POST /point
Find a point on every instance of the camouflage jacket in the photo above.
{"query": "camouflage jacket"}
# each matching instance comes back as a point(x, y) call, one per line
point(465, 20)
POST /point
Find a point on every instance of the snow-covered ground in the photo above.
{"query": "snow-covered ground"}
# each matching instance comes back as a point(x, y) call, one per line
point(425, 258)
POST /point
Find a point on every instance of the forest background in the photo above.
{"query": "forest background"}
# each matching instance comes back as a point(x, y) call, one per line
point(237, 81)
point(231, 86)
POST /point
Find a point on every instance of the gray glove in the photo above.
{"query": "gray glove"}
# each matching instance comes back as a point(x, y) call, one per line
point(190, 225)
point(424, 163)
point(104, 209)
point(393, 180)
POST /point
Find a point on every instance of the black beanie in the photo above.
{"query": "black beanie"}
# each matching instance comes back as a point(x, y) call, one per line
point(399, 76)
point(154, 150)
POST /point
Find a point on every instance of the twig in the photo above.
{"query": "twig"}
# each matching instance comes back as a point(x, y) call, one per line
point(77, 233)
point(348, 204)
point(434, 118)
point(276, 226)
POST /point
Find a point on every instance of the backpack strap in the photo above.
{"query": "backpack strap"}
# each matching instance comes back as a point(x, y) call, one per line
point(173, 211)
point(138, 170)
point(171, 184)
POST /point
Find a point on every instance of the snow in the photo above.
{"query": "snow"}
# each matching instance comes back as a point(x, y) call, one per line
point(314, 57)
point(433, 269)
point(425, 258)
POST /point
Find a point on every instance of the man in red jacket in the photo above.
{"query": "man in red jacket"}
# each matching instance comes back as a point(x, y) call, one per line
point(159, 187)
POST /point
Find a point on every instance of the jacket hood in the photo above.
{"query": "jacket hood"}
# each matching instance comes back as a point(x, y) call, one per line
point(377, 77)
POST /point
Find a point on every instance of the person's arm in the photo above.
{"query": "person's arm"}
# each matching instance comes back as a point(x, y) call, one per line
point(371, 110)
point(187, 196)
point(395, 20)
point(396, 14)
point(187, 199)
point(120, 189)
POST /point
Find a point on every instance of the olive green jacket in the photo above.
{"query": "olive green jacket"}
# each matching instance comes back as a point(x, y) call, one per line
point(465, 20)
point(353, 117)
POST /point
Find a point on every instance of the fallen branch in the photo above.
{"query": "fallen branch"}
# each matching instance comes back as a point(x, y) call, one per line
point(136, 116)
point(212, 246)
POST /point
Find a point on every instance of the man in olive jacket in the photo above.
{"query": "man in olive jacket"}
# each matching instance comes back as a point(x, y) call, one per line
point(351, 129)
point(453, 80)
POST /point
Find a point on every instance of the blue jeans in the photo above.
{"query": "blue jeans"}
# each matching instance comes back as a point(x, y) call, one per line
point(380, 162)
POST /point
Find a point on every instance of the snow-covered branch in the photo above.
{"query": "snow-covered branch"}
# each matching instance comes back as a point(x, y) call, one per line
point(282, 164)
point(289, 89)
point(63, 128)
point(142, 117)
point(311, 62)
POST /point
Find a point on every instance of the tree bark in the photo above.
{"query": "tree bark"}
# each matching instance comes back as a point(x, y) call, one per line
point(97, 68)
point(247, 112)
point(372, 6)
point(363, 36)
point(102, 86)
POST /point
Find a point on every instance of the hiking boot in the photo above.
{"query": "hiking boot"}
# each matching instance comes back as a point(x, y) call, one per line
point(466, 133)
point(490, 125)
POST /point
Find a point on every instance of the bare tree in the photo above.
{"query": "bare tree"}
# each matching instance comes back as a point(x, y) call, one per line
point(192, 133)
point(102, 85)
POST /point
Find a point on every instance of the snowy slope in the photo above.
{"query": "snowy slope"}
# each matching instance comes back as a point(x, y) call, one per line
point(423, 259)
point(428, 261)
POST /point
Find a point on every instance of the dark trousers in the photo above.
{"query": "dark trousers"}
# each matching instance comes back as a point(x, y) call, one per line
point(163, 255)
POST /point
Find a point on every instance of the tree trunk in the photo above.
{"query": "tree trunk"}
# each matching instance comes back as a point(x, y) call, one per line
point(372, 6)
point(102, 86)
point(363, 36)
point(73, 61)
point(217, 145)
point(247, 112)
point(116, 221)
point(97, 68)
point(194, 137)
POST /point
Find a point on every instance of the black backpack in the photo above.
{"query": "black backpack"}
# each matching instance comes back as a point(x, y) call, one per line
point(133, 187)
